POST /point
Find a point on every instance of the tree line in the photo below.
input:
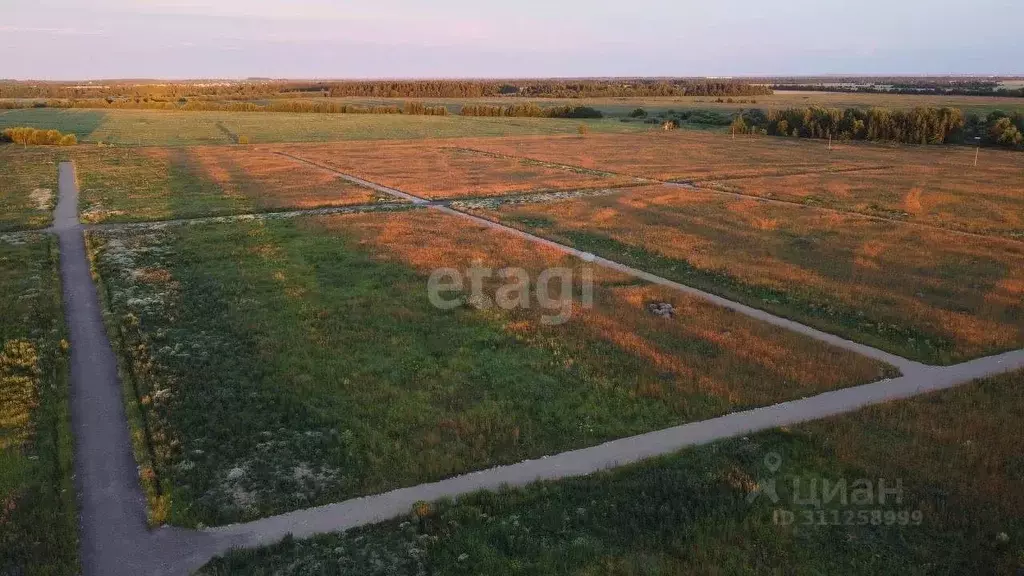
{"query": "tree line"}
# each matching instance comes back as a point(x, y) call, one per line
point(921, 125)
point(185, 104)
point(966, 89)
point(37, 137)
point(530, 111)
point(261, 89)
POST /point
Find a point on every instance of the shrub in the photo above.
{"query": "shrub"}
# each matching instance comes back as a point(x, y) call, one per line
point(709, 117)
point(738, 126)
point(36, 137)
point(1005, 133)
point(638, 113)
point(574, 112)
point(243, 139)
point(582, 130)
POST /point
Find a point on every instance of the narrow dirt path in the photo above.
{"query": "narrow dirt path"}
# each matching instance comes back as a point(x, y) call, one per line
point(113, 531)
point(250, 216)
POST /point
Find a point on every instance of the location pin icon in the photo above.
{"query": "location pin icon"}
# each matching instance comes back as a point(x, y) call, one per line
point(773, 461)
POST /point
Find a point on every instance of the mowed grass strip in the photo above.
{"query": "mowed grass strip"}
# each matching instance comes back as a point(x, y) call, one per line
point(921, 293)
point(677, 154)
point(441, 170)
point(937, 186)
point(38, 524)
point(961, 510)
point(28, 184)
point(141, 184)
point(284, 364)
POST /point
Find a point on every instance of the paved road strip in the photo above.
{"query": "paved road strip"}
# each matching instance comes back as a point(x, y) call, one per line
point(370, 509)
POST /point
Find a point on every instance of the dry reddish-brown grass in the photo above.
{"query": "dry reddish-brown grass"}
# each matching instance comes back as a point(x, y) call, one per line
point(680, 154)
point(270, 180)
point(754, 363)
point(935, 186)
point(965, 289)
point(440, 170)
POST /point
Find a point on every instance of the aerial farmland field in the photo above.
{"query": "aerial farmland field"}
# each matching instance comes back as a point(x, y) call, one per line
point(900, 288)
point(28, 185)
point(950, 453)
point(679, 154)
point(174, 128)
point(935, 187)
point(399, 340)
point(260, 310)
point(145, 184)
point(440, 169)
point(622, 106)
point(37, 505)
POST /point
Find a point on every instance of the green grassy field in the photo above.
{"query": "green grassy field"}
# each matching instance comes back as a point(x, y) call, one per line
point(620, 107)
point(28, 186)
point(960, 509)
point(120, 184)
point(285, 364)
point(38, 525)
point(171, 128)
point(900, 288)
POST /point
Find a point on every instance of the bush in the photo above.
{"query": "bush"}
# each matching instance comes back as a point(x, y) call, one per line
point(243, 139)
point(582, 130)
point(36, 137)
point(709, 117)
point(638, 113)
point(575, 112)
point(739, 126)
point(1005, 133)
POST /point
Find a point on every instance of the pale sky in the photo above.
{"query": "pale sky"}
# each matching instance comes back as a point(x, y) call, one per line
point(83, 39)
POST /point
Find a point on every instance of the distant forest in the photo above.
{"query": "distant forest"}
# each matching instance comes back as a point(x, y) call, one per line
point(950, 86)
point(264, 89)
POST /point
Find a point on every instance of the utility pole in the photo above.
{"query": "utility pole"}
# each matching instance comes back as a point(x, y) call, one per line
point(977, 140)
point(829, 141)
